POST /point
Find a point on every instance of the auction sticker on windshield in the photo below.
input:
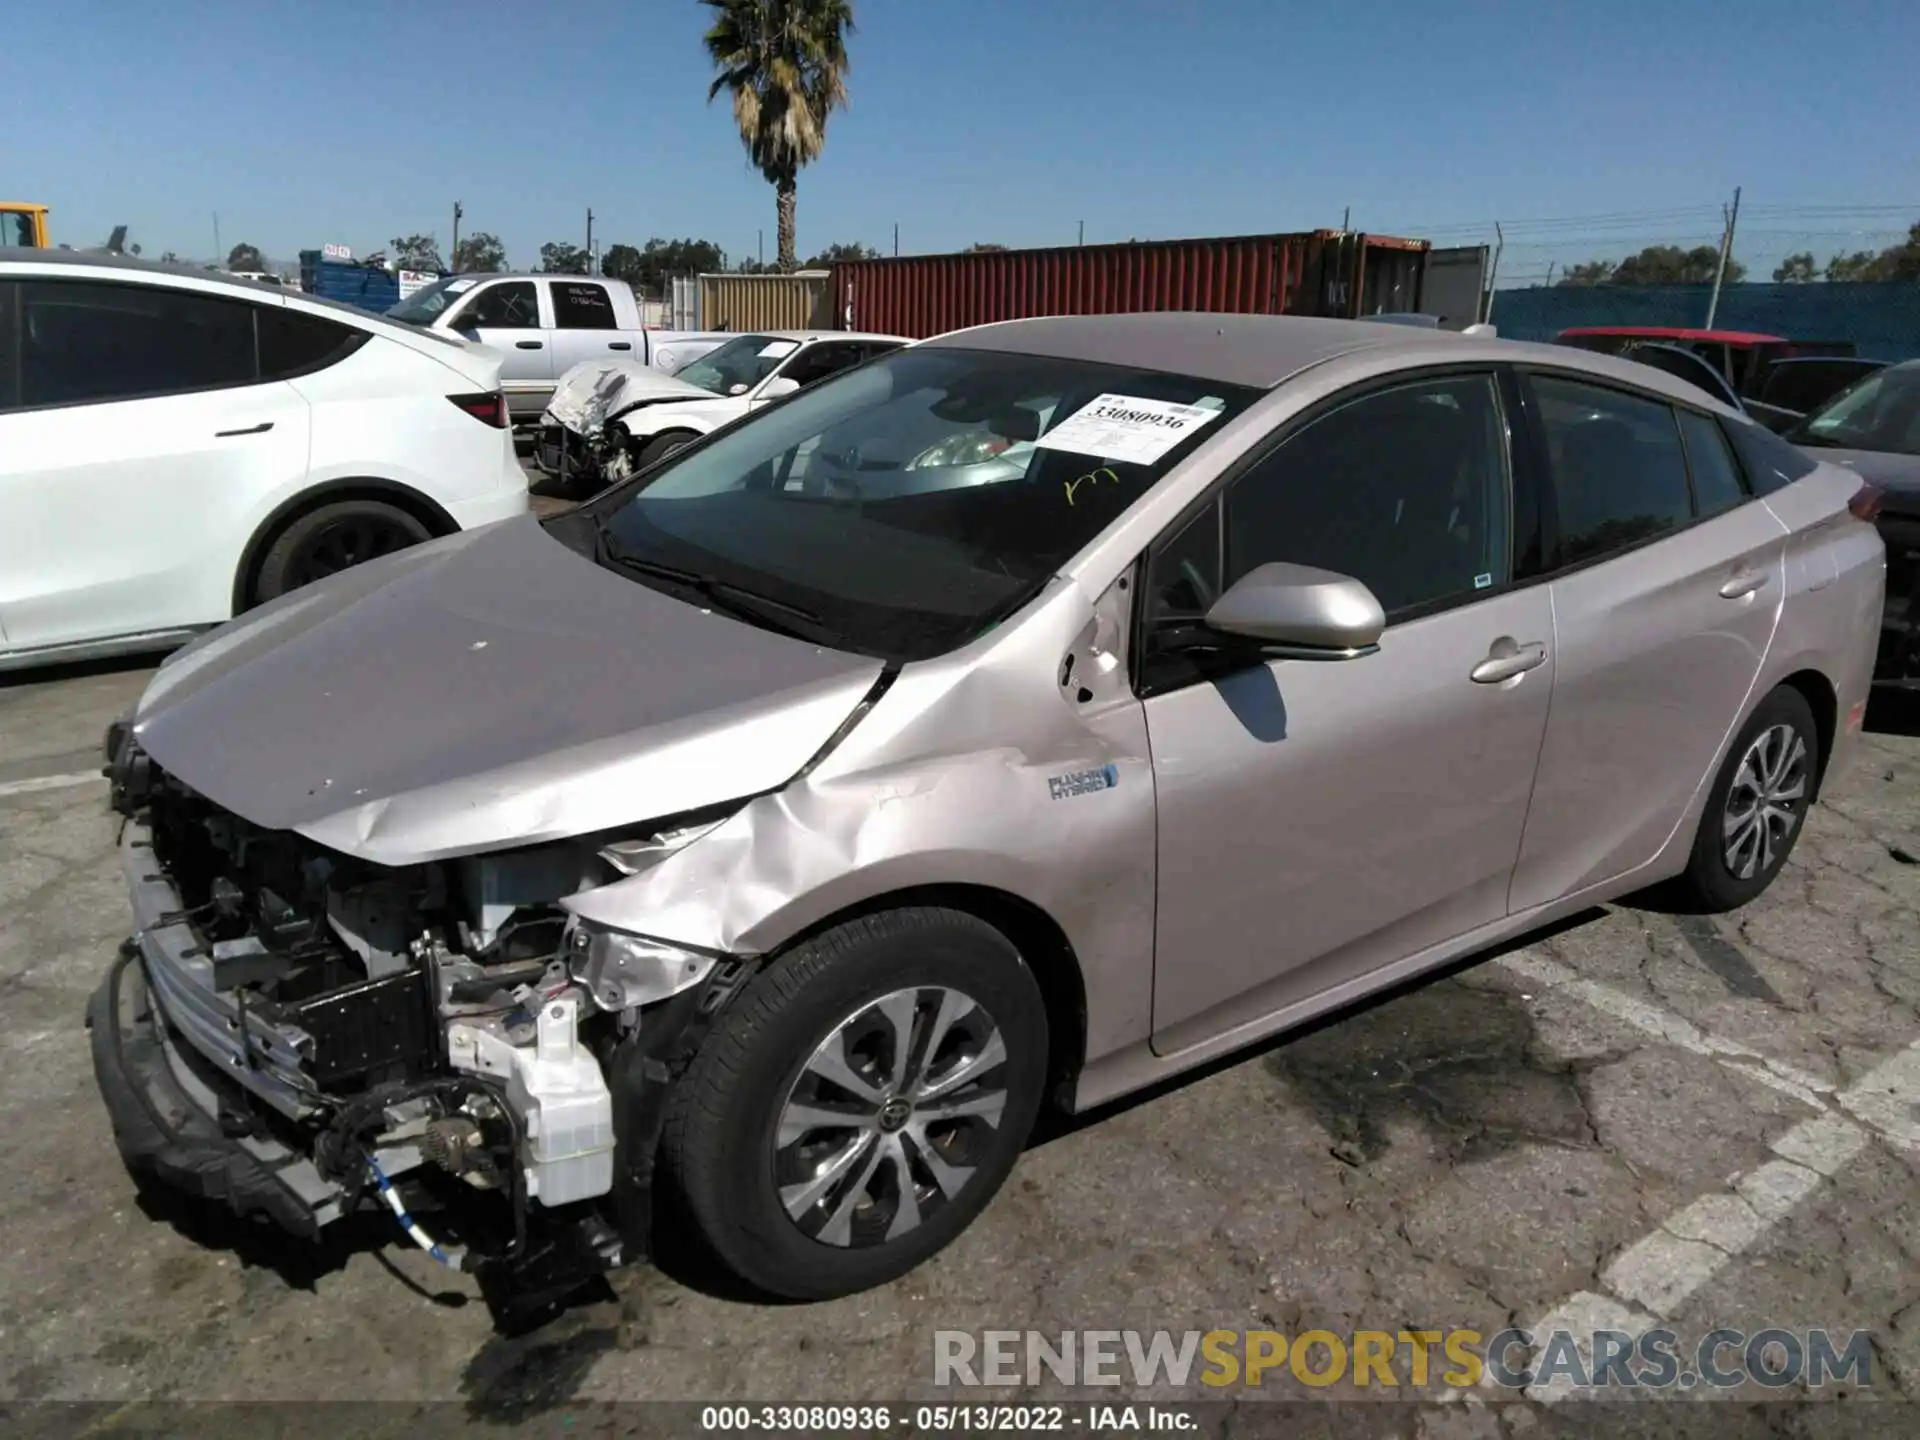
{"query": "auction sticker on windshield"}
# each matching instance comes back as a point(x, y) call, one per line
point(1126, 428)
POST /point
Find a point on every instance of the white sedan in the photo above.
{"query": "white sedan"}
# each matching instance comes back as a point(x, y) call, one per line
point(609, 418)
point(177, 446)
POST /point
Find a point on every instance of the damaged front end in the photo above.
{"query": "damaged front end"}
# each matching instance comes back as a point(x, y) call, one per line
point(297, 1034)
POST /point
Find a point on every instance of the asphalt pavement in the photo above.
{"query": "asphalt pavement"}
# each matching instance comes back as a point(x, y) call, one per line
point(1637, 1117)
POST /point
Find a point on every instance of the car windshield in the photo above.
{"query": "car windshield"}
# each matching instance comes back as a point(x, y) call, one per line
point(737, 366)
point(1881, 412)
point(431, 301)
point(903, 508)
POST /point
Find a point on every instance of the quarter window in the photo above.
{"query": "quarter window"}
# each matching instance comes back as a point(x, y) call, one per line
point(1619, 474)
point(94, 341)
point(510, 305)
point(582, 305)
point(1405, 490)
point(293, 342)
point(1770, 462)
point(1716, 478)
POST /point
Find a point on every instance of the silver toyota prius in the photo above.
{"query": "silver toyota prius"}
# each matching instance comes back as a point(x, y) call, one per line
point(1013, 721)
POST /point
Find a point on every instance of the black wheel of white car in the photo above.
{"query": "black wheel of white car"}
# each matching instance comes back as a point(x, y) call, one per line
point(1756, 807)
point(332, 538)
point(860, 1103)
point(661, 446)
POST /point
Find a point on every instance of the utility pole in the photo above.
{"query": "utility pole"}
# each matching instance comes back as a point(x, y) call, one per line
point(896, 239)
point(1083, 232)
point(1346, 214)
point(1726, 248)
point(590, 258)
point(761, 241)
point(1493, 272)
point(453, 255)
point(219, 255)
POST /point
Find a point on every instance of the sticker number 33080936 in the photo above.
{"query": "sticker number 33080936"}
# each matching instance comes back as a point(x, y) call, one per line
point(1126, 428)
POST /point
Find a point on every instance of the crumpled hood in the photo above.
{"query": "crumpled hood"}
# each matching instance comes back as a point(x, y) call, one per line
point(490, 689)
point(595, 389)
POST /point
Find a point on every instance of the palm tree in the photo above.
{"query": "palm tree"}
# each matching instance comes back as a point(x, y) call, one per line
point(785, 64)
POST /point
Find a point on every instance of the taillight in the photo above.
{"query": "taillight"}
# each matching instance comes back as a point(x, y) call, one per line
point(1865, 503)
point(488, 409)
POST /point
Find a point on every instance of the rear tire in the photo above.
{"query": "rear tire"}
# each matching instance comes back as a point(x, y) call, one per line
point(1756, 807)
point(331, 538)
point(799, 1205)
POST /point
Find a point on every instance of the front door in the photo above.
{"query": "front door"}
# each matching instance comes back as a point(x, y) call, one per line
point(505, 316)
point(1320, 819)
point(1669, 588)
point(585, 325)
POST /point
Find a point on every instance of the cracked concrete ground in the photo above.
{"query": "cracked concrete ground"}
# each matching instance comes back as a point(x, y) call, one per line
point(1471, 1152)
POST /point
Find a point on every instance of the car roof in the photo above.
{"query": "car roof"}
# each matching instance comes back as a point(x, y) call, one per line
point(129, 267)
point(1677, 332)
point(808, 335)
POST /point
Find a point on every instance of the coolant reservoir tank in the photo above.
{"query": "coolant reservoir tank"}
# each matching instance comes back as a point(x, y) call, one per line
point(563, 1099)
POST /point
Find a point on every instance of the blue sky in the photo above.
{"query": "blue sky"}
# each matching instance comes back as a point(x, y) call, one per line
point(975, 120)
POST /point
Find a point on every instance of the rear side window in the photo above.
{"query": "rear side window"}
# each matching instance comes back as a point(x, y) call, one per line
point(1716, 478)
point(9, 369)
point(97, 341)
point(1770, 462)
point(294, 343)
point(581, 305)
point(1619, 474)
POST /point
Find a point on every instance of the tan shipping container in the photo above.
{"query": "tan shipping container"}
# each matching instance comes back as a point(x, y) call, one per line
point(742, 303)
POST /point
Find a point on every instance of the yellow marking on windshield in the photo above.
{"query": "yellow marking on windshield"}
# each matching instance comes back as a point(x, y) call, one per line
point(1070, 486)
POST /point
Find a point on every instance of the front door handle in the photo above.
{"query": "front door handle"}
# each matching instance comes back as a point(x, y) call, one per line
point(1507, 659)
point(260, 429)
point(1741, 586)
point(619, 344)
point(526, 344)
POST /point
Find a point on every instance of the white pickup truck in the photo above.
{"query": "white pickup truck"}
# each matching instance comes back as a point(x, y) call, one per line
point(544, 325)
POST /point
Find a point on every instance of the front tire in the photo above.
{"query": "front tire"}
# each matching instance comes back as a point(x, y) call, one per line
point(860, 1103)
point(1756, 808)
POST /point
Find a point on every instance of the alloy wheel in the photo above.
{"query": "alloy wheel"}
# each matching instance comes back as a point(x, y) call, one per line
point(1765, 801)
point(890, 1116)
point(346, 542)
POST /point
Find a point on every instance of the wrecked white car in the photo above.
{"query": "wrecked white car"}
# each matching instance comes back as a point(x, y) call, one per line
point(612, 418)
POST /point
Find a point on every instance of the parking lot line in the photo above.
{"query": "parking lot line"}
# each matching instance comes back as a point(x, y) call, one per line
point(48, 782)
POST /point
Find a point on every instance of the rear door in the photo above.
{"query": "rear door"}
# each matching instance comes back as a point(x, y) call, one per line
point(140, 430)
point(1668, 581)
point(586, 326)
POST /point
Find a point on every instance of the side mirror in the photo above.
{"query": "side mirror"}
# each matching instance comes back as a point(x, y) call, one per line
point(778, 386)
point(1300, 612)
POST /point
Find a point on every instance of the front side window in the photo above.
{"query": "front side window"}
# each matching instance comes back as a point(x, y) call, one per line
point(510, 305)
point(1882, 413)
point(1405, 490)
point(97, 341)
point(903, 508)
point(739, 365)
point(582, 305)
point(1619, 474)
point(817, 362)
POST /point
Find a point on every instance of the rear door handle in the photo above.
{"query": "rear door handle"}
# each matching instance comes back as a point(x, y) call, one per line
point(1741, 586)
point(1507, 659)
point(619, 344)
point(260, 429)
point(526, 344)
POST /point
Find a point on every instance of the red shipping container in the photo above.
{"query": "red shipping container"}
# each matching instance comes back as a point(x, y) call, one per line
point(1323, 272)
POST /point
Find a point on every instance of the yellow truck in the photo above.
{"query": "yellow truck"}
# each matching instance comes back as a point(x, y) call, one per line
point(24, 225)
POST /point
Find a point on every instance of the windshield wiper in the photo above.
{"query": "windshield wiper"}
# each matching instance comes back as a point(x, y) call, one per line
point(734, 600)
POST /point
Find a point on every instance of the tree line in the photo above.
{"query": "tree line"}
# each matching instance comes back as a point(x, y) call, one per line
point(1675, 265)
